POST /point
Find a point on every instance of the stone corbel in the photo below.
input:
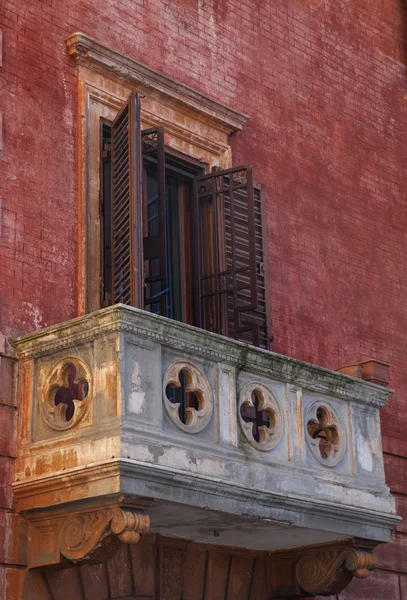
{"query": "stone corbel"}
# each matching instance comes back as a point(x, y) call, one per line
point(317, 572)
point(329, 571)
point(82, 537)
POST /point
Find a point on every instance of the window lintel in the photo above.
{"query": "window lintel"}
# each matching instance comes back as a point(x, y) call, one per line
point(99, 57)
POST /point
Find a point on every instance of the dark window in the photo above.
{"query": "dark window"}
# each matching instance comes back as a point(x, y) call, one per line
point(176, 241)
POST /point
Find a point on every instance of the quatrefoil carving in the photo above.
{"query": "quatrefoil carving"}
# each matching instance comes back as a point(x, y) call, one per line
point(67, 394)
point(326, 436)
point(260, 416)
point(187, 397)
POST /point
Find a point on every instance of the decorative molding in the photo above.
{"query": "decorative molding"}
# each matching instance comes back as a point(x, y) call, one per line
point(329, 571)
point(82, 537)
point(189, 339)
point(195, 383)
point(360, 562)
point(191, 131)
point(161, 477)
point(326, 433)
point(73, 377)
point(269, 435)
point(322, 571)
point(99, 57)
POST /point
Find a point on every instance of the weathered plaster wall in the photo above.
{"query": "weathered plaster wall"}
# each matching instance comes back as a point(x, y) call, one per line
point(324, 86)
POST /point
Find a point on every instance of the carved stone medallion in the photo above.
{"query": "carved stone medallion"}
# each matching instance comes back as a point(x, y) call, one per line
point(325, 433)
point(187, 397)
point(260, 416)
point(67, 394)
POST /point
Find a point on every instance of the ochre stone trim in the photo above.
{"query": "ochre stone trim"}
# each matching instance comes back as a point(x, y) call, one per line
point(101, 58)
point(85, 536)
point(196, 127)
point(324, 570)
point(329, 571)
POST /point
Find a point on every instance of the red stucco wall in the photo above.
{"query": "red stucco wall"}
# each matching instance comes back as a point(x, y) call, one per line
point(324, 86)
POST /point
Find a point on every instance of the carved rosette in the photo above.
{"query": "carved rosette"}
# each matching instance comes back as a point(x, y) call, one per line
point(269, 434)
point(325, 433)
point(195, 382)
point(94, 536)
point(329, 571)
point(73, 378)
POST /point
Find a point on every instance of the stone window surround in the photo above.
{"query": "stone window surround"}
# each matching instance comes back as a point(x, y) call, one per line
point(195, 126)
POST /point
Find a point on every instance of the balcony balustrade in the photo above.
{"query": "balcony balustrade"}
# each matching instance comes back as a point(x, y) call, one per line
point(132, 421)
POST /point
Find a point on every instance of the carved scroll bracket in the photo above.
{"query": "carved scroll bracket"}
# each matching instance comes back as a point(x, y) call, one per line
point(87, 537)
point(320, 571)
point(330, 571)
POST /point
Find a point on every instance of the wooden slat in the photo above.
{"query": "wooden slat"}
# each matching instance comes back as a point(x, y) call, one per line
point(240, 577)
point(65, 584)
point(281, 576)
point(126, 204)
point(217, 575)
point(258, 589)
point(119, 573)
point(194, 573)
point(144, 563)
point(36, 587)
point(94, 581)
point(171, 571)
point(233, 297)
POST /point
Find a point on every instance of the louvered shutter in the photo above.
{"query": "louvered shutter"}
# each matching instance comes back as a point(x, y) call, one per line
point(231, 256)
point(155, 235)
point(126, 169)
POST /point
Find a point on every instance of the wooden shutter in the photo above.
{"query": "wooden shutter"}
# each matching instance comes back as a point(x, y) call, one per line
point(155, 235)
point(230, 248)
point(105, 215)
point(126, 168)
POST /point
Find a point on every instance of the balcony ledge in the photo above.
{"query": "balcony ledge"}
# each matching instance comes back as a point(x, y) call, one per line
point(208, 474)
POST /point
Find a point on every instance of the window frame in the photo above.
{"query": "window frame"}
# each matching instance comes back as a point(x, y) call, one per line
point(179, 165)
point(238, 303)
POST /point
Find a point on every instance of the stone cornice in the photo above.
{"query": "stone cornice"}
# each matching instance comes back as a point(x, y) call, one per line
point(346, 518)
point(99, 57)
point(186, 339)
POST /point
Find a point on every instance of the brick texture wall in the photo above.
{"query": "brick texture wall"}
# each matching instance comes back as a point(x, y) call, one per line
point(324, 85)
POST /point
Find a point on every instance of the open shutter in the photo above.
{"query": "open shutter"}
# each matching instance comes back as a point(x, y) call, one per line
point(126, 168)
point(155, 235)
point(230, 250)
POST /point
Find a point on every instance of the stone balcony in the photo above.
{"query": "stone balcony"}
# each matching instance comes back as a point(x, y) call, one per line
point(255, 450)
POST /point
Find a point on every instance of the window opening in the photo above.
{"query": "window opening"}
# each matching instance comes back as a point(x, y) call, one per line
point(170, 288)
point(179, 242)
point(105, 215)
